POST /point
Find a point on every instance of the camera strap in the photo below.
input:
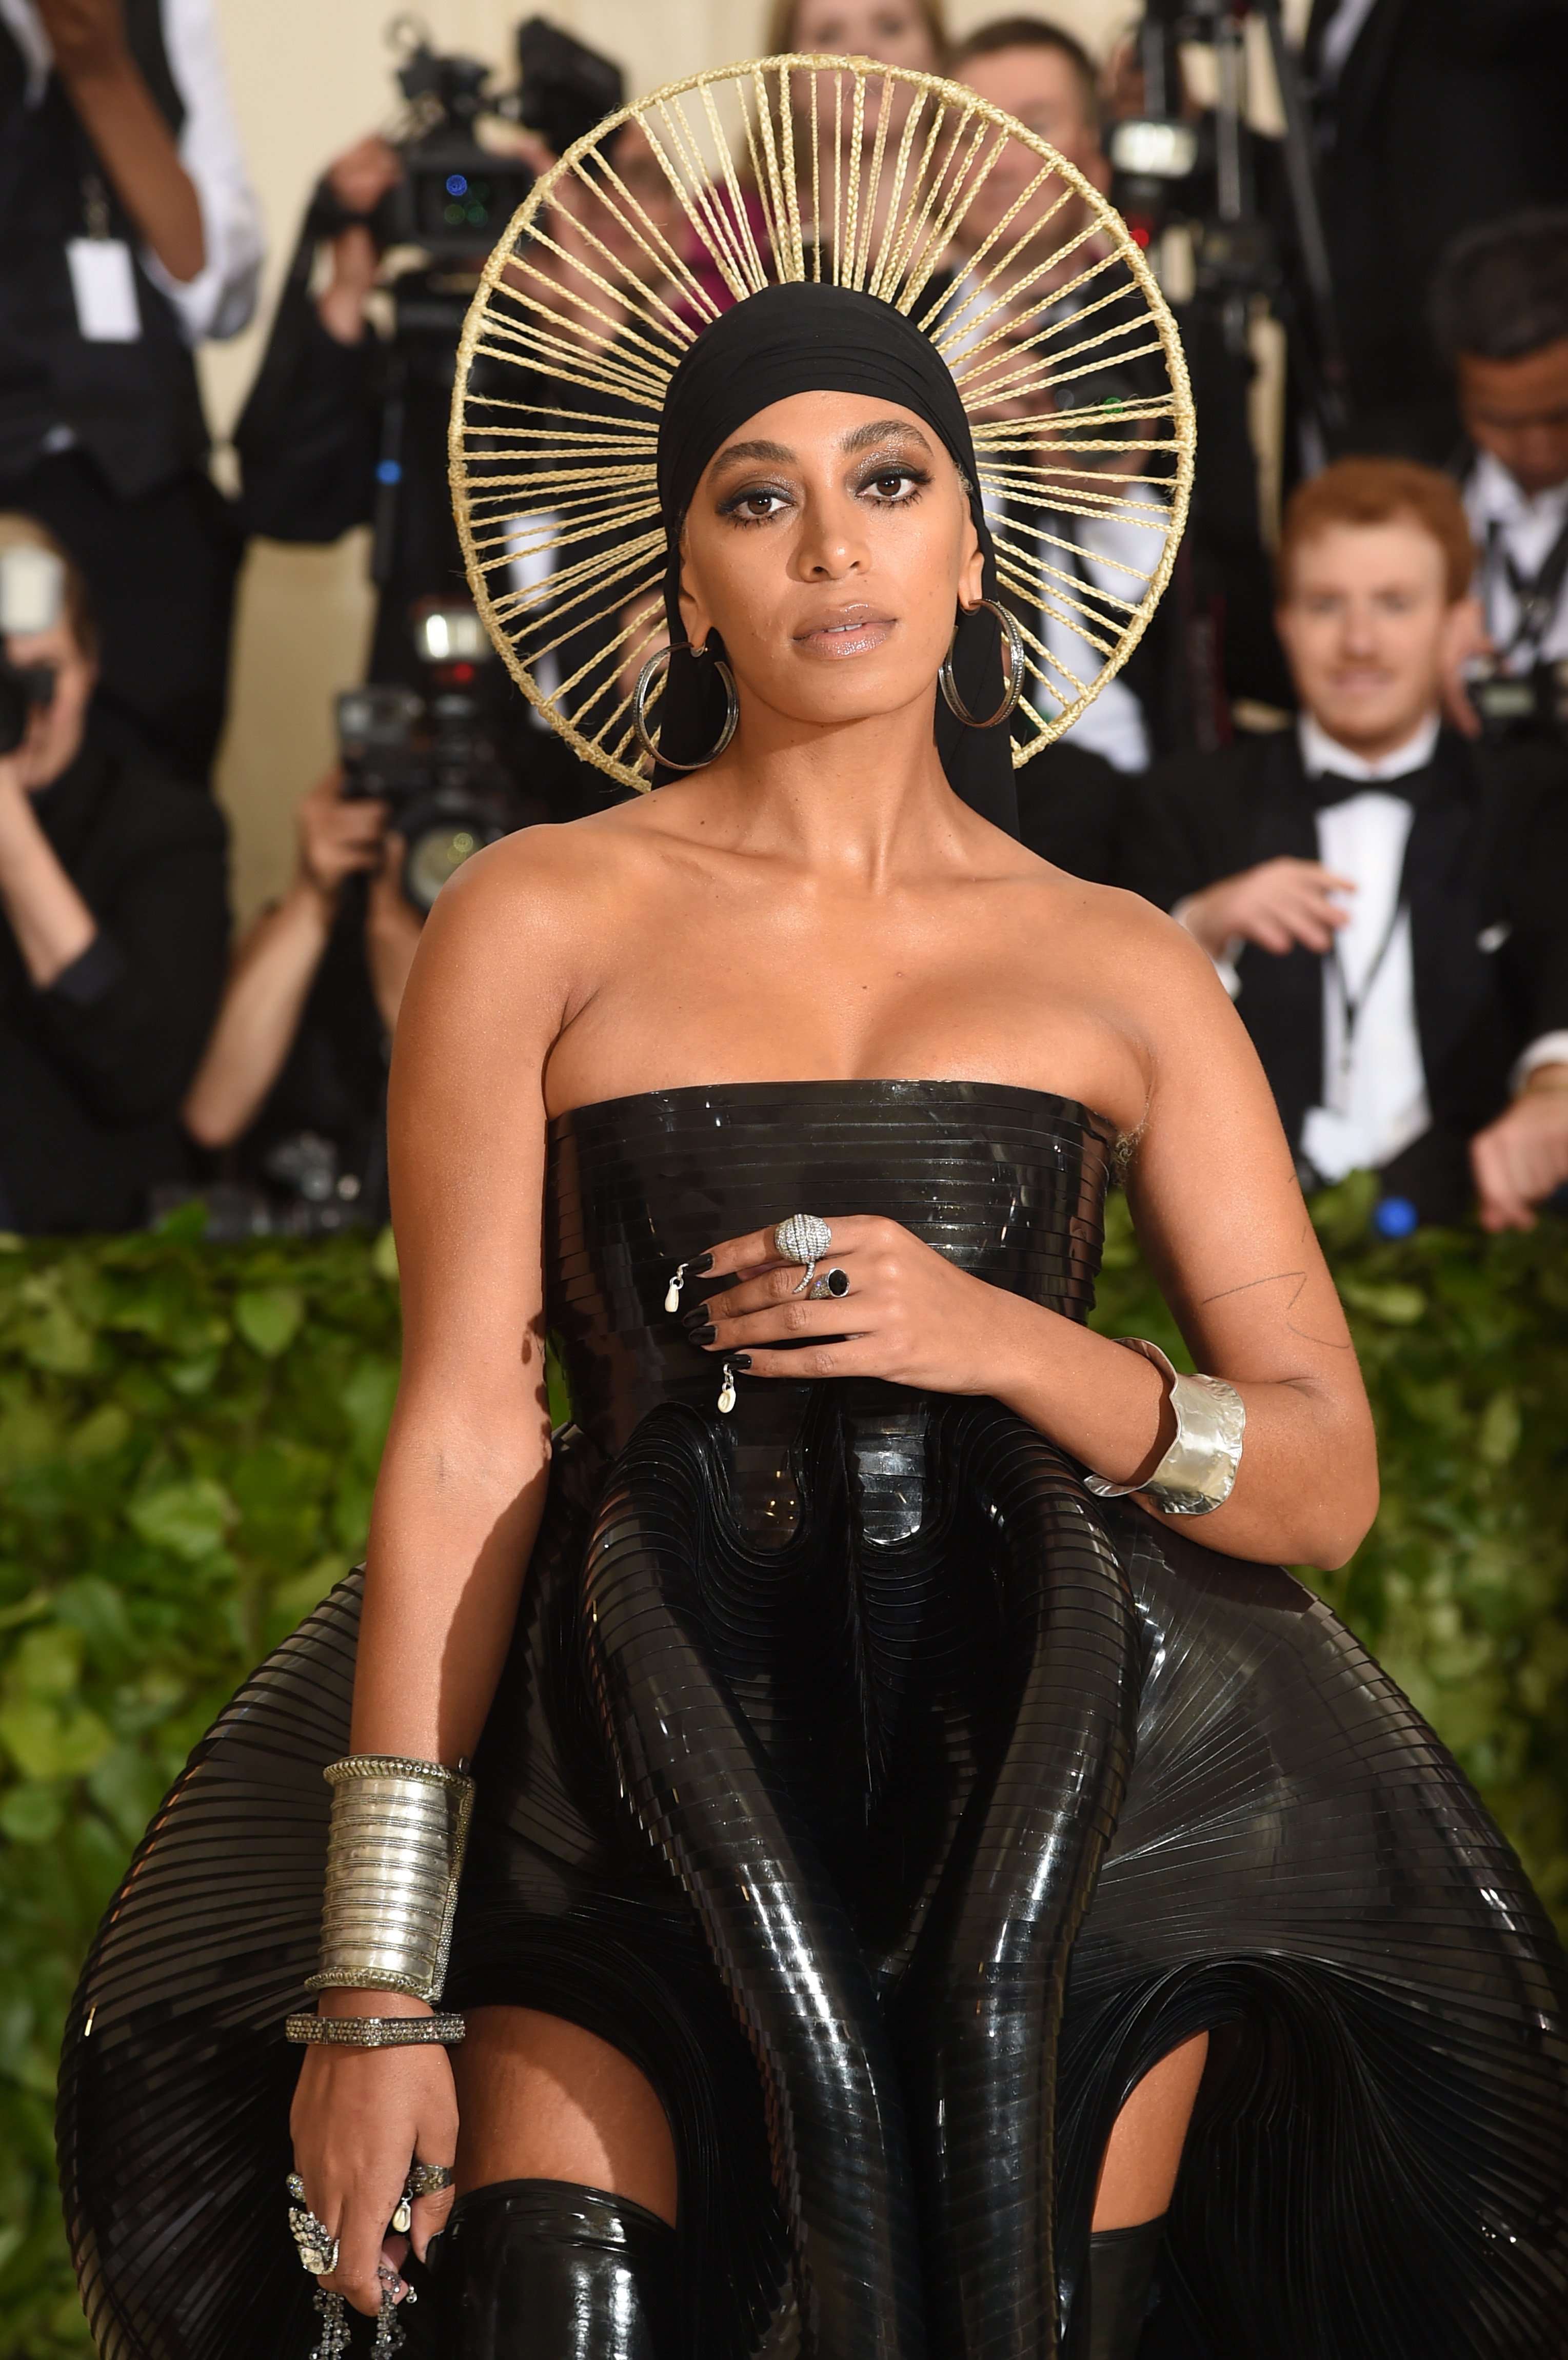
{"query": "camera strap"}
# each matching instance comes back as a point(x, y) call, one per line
point(1536, 596)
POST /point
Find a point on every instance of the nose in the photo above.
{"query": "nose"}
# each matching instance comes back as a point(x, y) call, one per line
point(831, 544)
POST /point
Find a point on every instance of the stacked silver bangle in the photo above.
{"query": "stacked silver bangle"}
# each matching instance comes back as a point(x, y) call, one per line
point(394, 1856)
point(1198, 1472)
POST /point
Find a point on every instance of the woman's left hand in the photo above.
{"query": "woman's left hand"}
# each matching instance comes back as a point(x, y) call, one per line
point(905, 1313)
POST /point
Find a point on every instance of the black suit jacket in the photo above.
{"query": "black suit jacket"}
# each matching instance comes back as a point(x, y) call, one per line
point(1486, 877)
point(93, 1070)
point(1448, 113)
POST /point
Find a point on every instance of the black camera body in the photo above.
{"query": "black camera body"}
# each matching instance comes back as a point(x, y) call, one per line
point(1518, 708)
point(428, 760)
point(455, 197)
point(427, 754)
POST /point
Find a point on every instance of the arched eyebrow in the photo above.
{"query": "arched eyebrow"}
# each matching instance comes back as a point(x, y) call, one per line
point(882, 430)
point(743, 455)
point(859, 438)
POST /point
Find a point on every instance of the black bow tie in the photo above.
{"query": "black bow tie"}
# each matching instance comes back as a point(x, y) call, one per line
point(1331, 787)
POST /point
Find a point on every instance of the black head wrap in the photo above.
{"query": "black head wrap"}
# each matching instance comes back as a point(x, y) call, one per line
point(818, 339)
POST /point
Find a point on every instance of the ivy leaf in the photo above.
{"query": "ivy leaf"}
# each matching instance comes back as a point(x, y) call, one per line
point(32, 1815)
point(269, 1317)
point(46, 1744)
point(45, 1664)
point(190, 1518)
point(1500, 1428)
point(1396, 1306)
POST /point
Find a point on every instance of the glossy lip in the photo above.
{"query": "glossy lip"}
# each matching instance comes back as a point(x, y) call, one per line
point(845, 631)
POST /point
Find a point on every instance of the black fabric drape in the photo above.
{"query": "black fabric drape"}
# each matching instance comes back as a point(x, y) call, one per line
point(822, 339)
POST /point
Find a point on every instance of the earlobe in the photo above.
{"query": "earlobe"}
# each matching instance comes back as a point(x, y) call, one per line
point(698, 623)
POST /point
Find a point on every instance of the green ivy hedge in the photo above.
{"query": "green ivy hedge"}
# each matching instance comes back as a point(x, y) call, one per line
point(189, 1436)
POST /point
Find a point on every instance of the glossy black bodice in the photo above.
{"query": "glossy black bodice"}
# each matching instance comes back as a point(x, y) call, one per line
point(1008, 1183)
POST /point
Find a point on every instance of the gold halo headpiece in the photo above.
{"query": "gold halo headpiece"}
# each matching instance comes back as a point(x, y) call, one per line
point(904, 186)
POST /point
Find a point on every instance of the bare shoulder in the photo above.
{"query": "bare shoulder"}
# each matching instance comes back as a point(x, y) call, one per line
point(1109, 932)
point(543, 889)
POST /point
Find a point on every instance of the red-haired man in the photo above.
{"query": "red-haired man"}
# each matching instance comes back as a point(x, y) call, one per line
point(1389, 902)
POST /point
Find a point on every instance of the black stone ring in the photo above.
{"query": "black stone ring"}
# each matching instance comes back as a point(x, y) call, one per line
point(832, 1282)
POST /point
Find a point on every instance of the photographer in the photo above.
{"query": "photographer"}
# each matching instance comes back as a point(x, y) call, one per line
point(112, 883)
point(1430, 120)
point(296, 1067)
point(346, 425)
point(127, 234)
point(1501, 311)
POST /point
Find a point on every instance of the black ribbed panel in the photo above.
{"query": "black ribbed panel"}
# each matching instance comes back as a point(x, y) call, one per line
point(894, 1807)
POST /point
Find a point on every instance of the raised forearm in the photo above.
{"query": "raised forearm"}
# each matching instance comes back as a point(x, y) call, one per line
point(52, 923)
point(136, 149)
point(260, 1015)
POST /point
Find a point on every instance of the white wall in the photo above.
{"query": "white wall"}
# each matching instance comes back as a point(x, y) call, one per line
point(308, 76)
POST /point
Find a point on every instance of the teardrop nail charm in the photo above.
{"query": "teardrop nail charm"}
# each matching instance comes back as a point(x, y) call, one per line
point(672, 1292)
point(402, 2220)
point(726, 1392)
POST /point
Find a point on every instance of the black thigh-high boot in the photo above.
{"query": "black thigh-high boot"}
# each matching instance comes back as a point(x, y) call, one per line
point(542, 2269)
point(1121, 2274)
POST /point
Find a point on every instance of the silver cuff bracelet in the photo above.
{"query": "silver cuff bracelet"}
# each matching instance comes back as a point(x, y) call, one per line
point(373, 2031)
point(1198, 1472)
point(394, 1857)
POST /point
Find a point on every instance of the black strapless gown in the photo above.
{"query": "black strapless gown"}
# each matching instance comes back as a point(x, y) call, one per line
point(896, 1805)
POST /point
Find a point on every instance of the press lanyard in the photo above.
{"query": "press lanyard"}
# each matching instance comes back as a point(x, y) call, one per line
point(1349, 1008)
point(1536, 596)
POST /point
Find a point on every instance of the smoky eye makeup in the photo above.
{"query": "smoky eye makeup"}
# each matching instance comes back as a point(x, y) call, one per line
point(735, 505)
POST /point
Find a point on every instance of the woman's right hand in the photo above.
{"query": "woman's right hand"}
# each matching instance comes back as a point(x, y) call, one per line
point(360, 2116)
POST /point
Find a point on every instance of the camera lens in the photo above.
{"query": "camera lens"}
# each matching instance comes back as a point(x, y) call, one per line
point(438, 849)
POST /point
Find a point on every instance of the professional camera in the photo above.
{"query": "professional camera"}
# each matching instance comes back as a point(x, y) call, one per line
point(428, 755)
point(455, 196)
point(32, 589)
point(1516, 707)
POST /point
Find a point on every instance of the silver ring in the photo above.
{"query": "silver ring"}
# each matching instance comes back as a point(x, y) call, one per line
point(831, 1285)
point(317, 2246)
point(428, 2179)
point(803, 1237)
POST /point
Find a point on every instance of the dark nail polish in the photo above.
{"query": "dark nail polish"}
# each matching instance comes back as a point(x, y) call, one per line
point(740, 1359)
point(702, 1335)
point(698, 1316)
point(700, 1267)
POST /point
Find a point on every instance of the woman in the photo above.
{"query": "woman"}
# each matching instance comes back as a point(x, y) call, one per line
point(879, 1833)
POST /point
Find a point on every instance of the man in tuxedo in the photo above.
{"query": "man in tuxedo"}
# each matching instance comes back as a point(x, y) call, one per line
point(1433, 116)
point(1386, 899)
point(1501, 310)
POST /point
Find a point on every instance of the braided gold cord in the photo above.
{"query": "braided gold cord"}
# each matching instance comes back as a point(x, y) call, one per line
point(795, 169)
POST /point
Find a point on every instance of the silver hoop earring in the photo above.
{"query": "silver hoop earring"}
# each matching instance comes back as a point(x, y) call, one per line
point(1015, 688)
point(661, 658)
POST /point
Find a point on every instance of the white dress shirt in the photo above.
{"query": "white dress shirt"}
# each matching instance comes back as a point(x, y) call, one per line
point(1115, 555)
point(221, 298)
point(1340, 37)
point(1525, 525)
point(1374, 1100)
